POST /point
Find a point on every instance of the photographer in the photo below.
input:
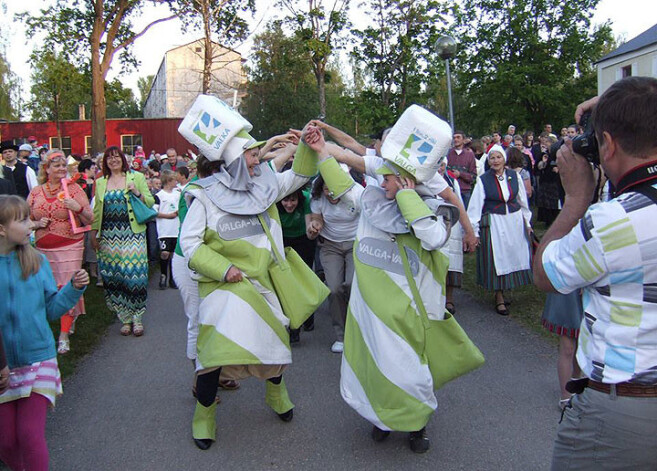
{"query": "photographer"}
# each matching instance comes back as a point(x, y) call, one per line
point(607, 251)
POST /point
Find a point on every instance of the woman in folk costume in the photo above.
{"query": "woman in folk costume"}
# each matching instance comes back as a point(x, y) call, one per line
point(384, 377)
point(501, 218)
point(242, 328)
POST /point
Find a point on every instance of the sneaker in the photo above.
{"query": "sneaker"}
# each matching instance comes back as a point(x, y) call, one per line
point(163, 282)
point(418, 441)
point(172, 284)
point(337, 347)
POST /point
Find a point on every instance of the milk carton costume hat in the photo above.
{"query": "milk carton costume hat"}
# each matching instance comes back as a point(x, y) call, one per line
point(417, 142)
point(219, 132)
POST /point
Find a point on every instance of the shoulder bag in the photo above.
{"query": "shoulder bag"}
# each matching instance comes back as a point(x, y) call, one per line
point(298, 289)
point(448, 349)
point(142, 213)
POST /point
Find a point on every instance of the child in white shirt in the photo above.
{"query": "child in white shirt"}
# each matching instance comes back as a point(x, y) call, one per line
point(166, 205)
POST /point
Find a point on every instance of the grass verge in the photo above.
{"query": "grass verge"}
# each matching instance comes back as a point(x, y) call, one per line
point(527, 301)
point(89, 328)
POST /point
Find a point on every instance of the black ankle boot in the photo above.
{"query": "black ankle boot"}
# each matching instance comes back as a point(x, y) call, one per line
point(203, 443)
point(419, 441)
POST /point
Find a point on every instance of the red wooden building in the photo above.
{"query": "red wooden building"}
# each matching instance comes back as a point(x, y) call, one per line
point(151, 134)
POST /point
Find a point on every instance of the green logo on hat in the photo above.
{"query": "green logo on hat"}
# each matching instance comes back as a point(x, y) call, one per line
point(206, 128)
point(418, 146)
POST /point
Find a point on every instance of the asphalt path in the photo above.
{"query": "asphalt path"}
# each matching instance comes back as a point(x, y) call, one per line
point(129, 406)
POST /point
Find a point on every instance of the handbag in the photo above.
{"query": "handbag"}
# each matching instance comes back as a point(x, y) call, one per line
point(298, 289)
point(142, 213)
point(448, 349)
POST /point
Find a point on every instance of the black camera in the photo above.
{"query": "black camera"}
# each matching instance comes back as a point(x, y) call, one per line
point(584, 144)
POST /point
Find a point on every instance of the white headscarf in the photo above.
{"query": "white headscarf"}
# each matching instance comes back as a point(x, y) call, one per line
point(497, 148)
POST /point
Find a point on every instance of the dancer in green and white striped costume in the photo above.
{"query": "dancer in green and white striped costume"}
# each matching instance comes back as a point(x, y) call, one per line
point(242, 328)
point(386, 377)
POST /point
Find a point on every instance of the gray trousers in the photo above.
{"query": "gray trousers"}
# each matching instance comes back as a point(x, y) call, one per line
point(604, 431)
point(338, 264)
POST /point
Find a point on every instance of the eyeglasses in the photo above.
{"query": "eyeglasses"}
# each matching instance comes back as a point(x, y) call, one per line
point(113, 156)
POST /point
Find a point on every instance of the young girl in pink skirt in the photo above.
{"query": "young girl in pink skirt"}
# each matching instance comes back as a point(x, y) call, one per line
point(29, 300)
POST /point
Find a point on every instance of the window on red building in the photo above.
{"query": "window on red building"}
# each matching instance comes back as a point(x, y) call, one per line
point(87, 145)
point(129, 142)
point(65, 145)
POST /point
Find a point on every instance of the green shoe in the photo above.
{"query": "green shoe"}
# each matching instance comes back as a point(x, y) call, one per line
point(204, 423)
point(277, 398)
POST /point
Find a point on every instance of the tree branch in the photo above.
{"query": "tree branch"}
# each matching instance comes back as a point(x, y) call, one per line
point(129, 41)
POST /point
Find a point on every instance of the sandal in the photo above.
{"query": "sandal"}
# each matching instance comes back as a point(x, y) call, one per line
point(138, 329)
point(450, 307)
point(126, 329)
point(502, 312)
point(64, 347)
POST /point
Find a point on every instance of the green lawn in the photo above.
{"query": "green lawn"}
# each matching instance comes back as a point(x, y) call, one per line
point(88, 329)
point(526, 302)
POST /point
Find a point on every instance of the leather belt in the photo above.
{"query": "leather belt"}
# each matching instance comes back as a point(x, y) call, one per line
point(624, 389)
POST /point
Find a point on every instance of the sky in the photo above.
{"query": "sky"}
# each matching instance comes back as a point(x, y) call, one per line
point(629, 18)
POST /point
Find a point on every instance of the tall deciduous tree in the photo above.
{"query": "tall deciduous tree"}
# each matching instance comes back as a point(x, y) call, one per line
point(57, 88)
point(525, 62)
point(282, 91)
point(220, 19)
point(318, 27)
point(395, 50)
point(93, 32)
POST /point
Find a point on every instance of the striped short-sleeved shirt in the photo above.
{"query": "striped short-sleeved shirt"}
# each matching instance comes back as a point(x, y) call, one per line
point(612, 255)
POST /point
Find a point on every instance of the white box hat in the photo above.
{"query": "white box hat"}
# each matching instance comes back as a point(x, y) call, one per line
point(417, 142)
point(219, 132)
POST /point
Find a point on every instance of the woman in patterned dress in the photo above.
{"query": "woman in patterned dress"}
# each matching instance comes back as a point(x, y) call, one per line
point(49, 209)
point(121, 241)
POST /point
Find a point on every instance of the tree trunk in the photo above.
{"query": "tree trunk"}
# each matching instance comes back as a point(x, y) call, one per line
point(207, 58)
point(321, 87)
point(57, 123)
point(98, 106)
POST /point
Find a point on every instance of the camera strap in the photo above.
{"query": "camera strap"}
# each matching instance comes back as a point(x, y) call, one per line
point(640, 179)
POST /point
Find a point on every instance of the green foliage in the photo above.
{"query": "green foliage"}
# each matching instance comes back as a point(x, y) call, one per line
point(399, 63)
point(58, 88)
point(121, 101)
point(144, 86)
point(9, 91)
point(319, 34)
point(396, 54)
point(68, 24)
point(223, 17)
point(525, 62)
point(282, 90)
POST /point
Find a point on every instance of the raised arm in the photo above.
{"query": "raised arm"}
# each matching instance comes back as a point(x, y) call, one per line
point(341, 137)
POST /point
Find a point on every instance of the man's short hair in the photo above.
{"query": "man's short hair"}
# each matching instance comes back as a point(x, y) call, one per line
point(184, 171)
point(627, 112)
point(458, 131)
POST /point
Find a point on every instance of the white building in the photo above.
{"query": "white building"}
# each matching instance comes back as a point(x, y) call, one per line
point(637, 57)
point(179, 79)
